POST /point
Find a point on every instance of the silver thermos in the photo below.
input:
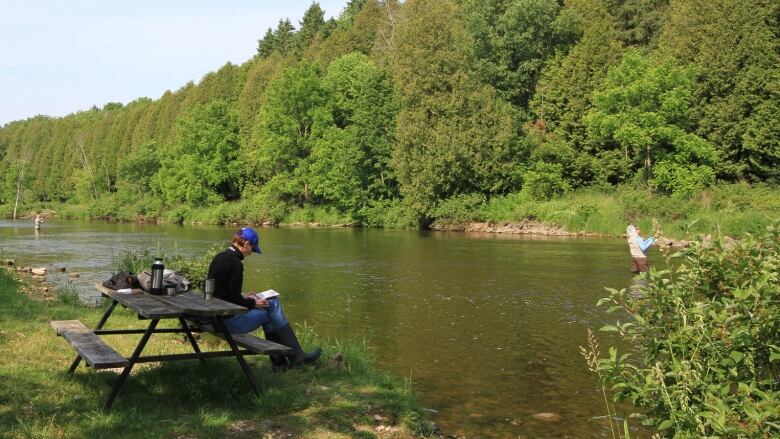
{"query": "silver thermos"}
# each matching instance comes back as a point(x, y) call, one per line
point(157, 277)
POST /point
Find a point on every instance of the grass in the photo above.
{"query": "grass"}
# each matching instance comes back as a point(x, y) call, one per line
point(735, 209)
point(343, 397)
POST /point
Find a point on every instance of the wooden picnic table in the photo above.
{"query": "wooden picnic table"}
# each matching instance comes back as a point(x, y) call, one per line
point(99, 355)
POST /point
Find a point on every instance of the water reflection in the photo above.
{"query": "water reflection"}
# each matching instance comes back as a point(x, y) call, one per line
point(487, 325)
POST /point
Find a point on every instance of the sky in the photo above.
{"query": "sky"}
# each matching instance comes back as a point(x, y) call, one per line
point(60, 57)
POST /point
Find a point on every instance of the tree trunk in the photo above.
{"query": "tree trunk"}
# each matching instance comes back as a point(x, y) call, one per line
point(81, 155)
point(648, 165)
point(19, 180)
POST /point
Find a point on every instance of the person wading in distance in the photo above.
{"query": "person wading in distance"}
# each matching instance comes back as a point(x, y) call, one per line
point(638, 247)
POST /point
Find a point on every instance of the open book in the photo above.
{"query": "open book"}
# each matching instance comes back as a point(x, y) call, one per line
point(267, 294)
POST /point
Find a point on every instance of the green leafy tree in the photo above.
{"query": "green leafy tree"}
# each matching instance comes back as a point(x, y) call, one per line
point(259, 73)
point(15, 184)
point(640, 21)
point(349, 164)
point(453, 135)
point(355, 31)
point(225, 84)
point(267, 44)
point(282, 143)
point(734, 46)
point(644, 111)
point(312, 22)
point(563, 93)
point(203, 168)
point(512, 39)
point(137, 170)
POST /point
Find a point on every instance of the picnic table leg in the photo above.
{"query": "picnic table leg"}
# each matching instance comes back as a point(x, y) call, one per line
point(136, 354)
point(220, 326)
point(99, 326)
point(191, 338)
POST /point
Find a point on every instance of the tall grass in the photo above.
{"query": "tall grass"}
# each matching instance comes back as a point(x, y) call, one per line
point(733, 208)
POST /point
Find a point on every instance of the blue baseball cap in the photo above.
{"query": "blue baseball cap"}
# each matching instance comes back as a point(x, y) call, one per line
point(250, 235)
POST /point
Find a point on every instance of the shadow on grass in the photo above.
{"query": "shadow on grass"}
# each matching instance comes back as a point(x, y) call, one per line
point(190, 399)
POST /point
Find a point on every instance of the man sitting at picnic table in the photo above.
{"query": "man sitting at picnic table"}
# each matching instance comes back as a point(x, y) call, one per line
point(227, 269)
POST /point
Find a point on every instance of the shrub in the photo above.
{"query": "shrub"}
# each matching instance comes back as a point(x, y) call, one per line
point(194, 269)
point(506, 208)
point(390, 214)
point(544, 181)
point(707, 331)
point(458, 210)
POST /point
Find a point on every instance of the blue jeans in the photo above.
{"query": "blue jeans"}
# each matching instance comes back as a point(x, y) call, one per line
point(271, 319)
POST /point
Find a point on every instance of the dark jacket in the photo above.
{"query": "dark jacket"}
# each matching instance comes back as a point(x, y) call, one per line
point(227, 269)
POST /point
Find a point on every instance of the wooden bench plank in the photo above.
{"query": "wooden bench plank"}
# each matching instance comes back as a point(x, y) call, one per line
point(256, 344)
point(89, 346)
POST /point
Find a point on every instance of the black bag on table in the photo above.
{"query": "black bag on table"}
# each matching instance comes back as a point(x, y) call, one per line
point(122, 280)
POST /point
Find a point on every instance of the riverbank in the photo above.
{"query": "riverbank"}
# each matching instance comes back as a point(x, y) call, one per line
point(732, 209)
point(344, 396)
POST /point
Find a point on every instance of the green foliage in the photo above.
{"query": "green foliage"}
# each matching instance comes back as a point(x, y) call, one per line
point(318, 214)
point(506, 207)
point(352, 135)
point(458, 210)
point(734, 47)
point(544, 181)
point(453, 135)
point(313, 20)
point(512, 41)
point(708, 334)
point(567, 81)
point(136, 172)
point(391, 214)
point(284, 132)
point(281, 40)
point(644, 111)
point(133, 262)
point(203, 168)
point(640, 20)
point(16, 180)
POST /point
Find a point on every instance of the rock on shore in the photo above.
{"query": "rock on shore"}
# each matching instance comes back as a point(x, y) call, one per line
point(533, 227)
point(525, 227)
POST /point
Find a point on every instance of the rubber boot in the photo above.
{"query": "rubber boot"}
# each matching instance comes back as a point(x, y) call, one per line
point(286, 336)
point(279, 362)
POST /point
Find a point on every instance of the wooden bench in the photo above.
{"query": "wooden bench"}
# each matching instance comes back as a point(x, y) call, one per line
point(256, 344)
point(89, 346)
point(247, 340)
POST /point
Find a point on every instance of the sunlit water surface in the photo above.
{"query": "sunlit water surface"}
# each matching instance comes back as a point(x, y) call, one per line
point(488, 327)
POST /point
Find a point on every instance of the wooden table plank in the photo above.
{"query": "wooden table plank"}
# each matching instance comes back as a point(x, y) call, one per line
point(144, 304)
point(193, 304)
point(160, 307)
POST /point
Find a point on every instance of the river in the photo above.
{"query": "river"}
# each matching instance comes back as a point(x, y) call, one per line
point(486, 326)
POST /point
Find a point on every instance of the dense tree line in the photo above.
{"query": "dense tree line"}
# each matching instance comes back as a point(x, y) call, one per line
point(392, 111)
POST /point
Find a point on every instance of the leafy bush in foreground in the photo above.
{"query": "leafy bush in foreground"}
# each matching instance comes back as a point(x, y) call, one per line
point(707, 336)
